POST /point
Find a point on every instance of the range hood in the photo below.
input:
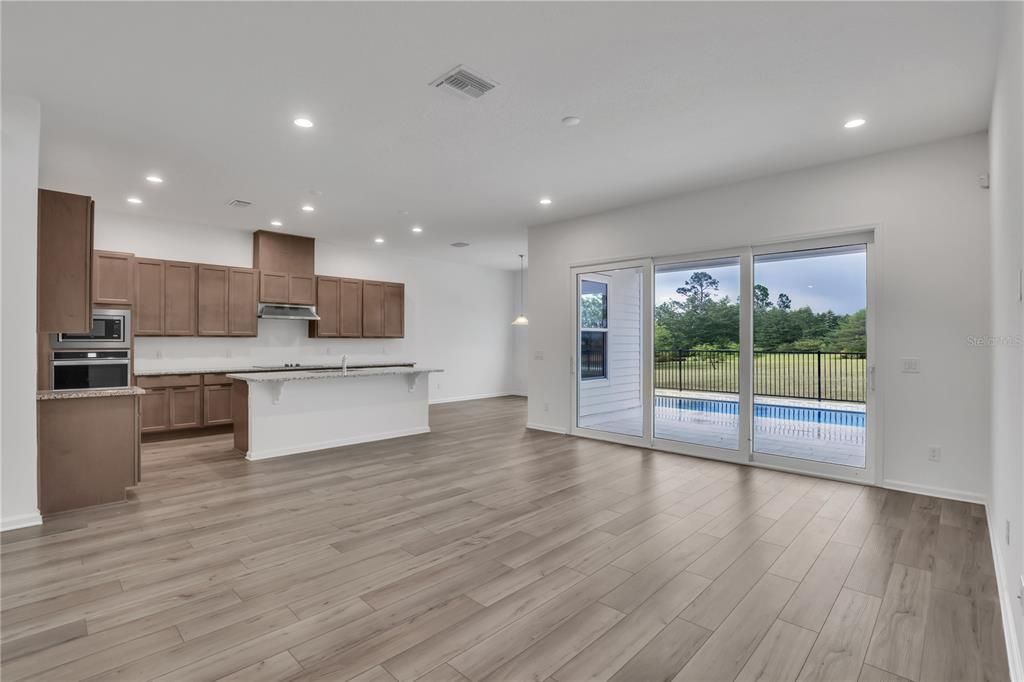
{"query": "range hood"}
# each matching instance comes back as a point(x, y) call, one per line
point(283, 311)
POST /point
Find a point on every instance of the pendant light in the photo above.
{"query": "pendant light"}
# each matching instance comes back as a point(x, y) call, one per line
point(521, 321)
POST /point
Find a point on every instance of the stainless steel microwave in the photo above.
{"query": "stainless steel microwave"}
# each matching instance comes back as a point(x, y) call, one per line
point(111, 328)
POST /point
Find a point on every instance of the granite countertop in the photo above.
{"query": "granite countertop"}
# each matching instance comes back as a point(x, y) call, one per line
point(353, 373)
point(223, 369)
point(89, 393)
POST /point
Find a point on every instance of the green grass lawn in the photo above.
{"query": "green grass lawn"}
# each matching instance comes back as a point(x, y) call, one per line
point(791, 375)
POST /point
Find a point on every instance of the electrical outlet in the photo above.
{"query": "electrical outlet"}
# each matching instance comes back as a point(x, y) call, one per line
point(934, 453)
point(546, 407)
point(538, 355)
point(911, 365)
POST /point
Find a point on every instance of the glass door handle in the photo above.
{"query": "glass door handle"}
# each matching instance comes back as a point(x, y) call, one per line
point(871, 378)
point(572, 366)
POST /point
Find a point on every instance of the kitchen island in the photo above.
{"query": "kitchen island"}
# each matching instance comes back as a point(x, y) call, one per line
point(287, 413)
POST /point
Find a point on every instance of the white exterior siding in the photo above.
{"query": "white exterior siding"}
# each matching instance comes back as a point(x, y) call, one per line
point(621, 390)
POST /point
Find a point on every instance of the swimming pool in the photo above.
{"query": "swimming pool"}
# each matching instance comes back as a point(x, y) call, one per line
point(815, 415)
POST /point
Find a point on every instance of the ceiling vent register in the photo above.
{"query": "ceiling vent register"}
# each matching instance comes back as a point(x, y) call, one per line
point(464, 82)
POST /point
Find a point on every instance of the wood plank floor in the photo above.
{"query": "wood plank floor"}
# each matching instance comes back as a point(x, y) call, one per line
point(485, 551)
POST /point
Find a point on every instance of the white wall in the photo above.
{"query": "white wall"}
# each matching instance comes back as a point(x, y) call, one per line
point(457, 316)
point(621, 389)
point(20, 169)
point(1006, 353)
point(933, 260)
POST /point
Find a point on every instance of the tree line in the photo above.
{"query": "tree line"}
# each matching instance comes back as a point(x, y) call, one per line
point(705, 320)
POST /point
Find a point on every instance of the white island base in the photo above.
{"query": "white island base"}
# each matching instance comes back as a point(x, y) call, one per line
point(287, 413)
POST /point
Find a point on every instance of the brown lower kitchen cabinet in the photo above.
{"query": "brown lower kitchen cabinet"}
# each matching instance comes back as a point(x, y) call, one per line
point(383, 310)
point(216, 399)
point(88, 451)
point(186, 407)
point(186, 401)
point(155, 409)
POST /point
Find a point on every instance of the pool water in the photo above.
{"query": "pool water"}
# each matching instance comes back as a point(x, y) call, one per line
point(816, 415)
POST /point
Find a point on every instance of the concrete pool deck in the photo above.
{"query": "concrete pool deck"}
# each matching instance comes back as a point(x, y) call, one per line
point(809, 440)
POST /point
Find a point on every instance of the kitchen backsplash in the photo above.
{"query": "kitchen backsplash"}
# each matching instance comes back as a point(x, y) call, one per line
point(279, 341)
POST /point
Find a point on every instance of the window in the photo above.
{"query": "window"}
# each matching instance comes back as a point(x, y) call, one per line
point(593, 329)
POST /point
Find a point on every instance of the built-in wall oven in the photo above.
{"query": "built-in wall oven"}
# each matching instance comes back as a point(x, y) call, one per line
point(82, 369)
point(111, 328)
point(100, 358)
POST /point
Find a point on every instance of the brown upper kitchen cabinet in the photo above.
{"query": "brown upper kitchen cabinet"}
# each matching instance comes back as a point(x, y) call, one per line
point(243, 304)
point(283, 287)
point(64, 257)
point(273, 287)
point(351, 314)
point(227, 301)
point(373, 309)
point(285, 253)
point(148, 315)
point(383, 310)
point(394, 310)
point(113, 278)
point(179, 299)
point(301, 290)
point(328, 308)
point(212, 310)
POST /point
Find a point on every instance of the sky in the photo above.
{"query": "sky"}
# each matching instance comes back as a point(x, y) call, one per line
point(836, 282)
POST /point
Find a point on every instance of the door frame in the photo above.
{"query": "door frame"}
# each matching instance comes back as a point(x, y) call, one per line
point(873, 471)
point(741, 455)
point(646, 342)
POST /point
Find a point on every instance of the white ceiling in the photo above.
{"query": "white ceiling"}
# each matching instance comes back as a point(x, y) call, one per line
point(673, 96)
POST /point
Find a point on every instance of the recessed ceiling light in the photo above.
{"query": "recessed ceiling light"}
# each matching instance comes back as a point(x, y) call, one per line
point(379, 240)
point(571, 121)
point(854, 123)
point(133, 200)
point(308, 208)
point(276, 223)
point(303, 122)
point(417, 229)
point(155, 179)
point(460, 245)
point(545, 201)
point(810, 286)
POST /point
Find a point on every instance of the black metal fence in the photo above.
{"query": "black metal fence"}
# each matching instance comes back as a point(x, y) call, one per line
point(782, 374)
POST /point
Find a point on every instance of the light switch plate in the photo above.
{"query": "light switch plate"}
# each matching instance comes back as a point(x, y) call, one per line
point(911, 365)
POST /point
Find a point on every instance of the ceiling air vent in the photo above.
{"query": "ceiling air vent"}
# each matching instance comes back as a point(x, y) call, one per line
point(239, 203)
point(462, 81)
point(460, 245)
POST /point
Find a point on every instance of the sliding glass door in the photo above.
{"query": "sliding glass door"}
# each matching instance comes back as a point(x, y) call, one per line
point(756, 355)
point(610, 381)
point(811, 377)
point(697, 353)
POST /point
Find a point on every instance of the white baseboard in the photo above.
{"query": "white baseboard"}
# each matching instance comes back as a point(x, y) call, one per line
point(543, 427)
point(948, 493)
point(1007, 603)
point(341, 442)
point(21, 521)
point(461, 398)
